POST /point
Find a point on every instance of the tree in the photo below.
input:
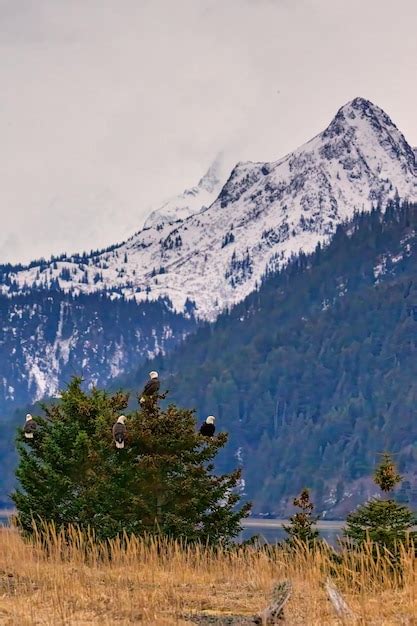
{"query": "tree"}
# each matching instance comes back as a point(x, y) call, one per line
point(386, 475)
point(302, 524)
point(383, 521)
point(162, 482)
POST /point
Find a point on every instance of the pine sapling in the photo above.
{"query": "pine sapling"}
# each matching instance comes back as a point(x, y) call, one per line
point(302, 527)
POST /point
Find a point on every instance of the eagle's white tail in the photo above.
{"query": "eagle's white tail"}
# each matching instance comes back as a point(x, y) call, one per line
point(120, 444)
point(29, 435)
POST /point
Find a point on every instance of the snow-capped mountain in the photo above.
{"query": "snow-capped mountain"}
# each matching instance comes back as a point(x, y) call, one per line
point(192, 200)
point(264, 213)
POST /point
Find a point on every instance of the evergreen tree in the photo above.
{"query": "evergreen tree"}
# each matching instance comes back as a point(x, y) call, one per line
point(162, 481)
point(302, 524)
point(383, 521)
point(386, 475)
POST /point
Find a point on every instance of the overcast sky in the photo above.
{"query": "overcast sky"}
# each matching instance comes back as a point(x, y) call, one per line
point(108, 107)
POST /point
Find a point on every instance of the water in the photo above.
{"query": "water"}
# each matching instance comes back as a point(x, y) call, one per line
point(272, 530)
point(269, 530)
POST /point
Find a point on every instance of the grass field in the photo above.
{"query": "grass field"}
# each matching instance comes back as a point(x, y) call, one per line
point(158, 582)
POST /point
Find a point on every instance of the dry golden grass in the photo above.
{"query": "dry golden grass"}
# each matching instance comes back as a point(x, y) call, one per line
point(157, 582)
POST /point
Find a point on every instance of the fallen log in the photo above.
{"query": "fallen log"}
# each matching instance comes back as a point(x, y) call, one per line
point(340, 606)
point(275, 611)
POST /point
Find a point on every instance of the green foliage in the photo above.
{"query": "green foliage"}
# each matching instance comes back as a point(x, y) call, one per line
point(302, 524)
point(161, 482)
point(384, 522)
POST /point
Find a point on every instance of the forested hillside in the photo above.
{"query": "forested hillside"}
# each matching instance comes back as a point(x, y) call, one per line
point(48, 336)
point(316, 373)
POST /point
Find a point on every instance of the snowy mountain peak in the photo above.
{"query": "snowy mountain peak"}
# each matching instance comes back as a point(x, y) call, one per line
point(360, 119)
point(360, 108)
point(214, 177)
point(364, 107)
point(265, 212)
point(191, 200)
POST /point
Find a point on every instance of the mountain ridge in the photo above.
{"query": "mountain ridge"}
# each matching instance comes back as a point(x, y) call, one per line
point(265, 213)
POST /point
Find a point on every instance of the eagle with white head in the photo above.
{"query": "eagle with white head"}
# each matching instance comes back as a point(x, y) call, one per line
point(207, 428)
point(30, 427)
point(120, 432)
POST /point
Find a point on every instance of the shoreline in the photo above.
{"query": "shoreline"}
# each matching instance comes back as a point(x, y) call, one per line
point(255, 522)
point(248, 523)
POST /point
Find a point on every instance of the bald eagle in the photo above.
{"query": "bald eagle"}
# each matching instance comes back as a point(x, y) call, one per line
point(30, 427)
point(151, 388)
point(208, 428)
point(119, 432)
